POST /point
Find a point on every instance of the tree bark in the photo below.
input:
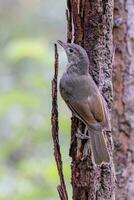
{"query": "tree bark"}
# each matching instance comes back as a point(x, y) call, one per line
point(55, 127)
point(90, 25)
point(123, 107)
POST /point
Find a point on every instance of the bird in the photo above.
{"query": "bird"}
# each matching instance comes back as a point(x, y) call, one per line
point(82, 96)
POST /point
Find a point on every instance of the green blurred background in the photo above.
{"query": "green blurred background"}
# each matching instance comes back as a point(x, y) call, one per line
point(28, 31)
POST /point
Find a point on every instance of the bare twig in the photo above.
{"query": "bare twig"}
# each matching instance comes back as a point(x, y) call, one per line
point(54, 120)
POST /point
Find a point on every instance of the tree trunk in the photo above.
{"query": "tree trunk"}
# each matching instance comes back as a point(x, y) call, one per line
point(90, 25)
point(123, 108)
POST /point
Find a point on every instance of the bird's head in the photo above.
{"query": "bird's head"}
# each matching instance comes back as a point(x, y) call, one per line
point(75, 53)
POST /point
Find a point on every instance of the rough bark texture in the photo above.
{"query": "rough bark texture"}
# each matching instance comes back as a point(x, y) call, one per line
point(55, 126)
point(123, 108)
point(90, 25)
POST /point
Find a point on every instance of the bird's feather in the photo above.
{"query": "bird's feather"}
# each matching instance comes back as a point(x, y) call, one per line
point(85, 99)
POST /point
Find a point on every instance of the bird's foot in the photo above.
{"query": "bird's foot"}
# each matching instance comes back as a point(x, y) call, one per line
point(81, 135)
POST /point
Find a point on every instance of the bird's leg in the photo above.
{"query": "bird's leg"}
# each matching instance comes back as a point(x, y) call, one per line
point(86, 150)
point(81, 136)
point(86, 145)
point(79, 145)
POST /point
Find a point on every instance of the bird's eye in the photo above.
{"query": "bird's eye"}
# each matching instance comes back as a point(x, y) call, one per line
point(71, 50)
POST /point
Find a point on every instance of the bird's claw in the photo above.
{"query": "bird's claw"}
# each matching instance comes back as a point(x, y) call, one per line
point(81, 136)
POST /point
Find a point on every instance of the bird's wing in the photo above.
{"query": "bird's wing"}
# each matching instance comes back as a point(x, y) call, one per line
point(85, 99)
point(89, 110)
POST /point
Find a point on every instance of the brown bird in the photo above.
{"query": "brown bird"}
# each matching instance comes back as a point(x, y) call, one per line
point(82, 96)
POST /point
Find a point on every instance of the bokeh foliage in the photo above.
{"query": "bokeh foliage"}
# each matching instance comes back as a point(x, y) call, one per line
point(27, 167)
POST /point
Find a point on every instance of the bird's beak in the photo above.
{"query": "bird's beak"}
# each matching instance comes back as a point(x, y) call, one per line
point(63, 44)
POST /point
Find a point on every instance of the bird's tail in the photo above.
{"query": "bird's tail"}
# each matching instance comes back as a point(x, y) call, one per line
point(99, 148)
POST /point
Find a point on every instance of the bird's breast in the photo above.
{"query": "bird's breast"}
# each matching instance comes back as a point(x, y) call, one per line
point(74, 86)
point(66, 88)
